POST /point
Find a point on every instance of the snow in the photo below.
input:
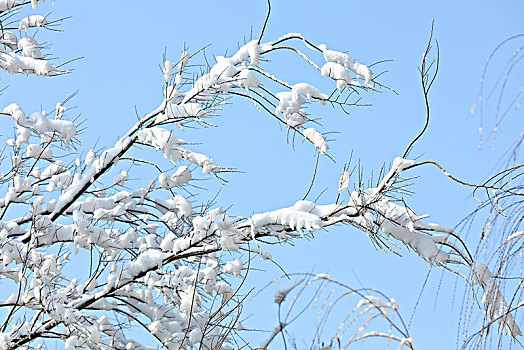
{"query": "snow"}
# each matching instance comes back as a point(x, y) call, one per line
point(180, 177)
point(291, 101)
point(225, 290)
point(343, 183)
point(184, 58)
point(163, 140)
point(147, 261)
point(108, 157)
point(339, 73)
point(9, 39)
point(378, 303)
point(250, 50)
point(346, 61)
point(7, 4)
point(480, 273)
point(322, 276)
point(399, 165)
point(287, 104)
point(316, 139)
point(183, 205)
point(282, 293)
point(59, 110)
point(308, 92)
point(29, 47)
point(120, 179)
point(18, 64)
point(295, 120)
point(36, 151)
point(32, 21)
point(207, 164)
point(294, 217)
point(63, 129)
point(168, 70)
point(248, 79)
point(496, 307)
point(55, 168)
point(222, 75)
point(422, 243)
point(90, 157)
point(195, 336)
point(219, 77)
point(233, 267)
point(178, 79)
point(182, 111)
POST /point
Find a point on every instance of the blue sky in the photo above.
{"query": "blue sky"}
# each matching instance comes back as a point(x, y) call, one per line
point(122, 43)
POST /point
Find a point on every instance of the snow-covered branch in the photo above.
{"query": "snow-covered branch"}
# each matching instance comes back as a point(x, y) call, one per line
point(148, 255)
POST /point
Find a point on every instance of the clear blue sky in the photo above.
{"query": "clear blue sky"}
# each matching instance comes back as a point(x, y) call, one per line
point(122, 43)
